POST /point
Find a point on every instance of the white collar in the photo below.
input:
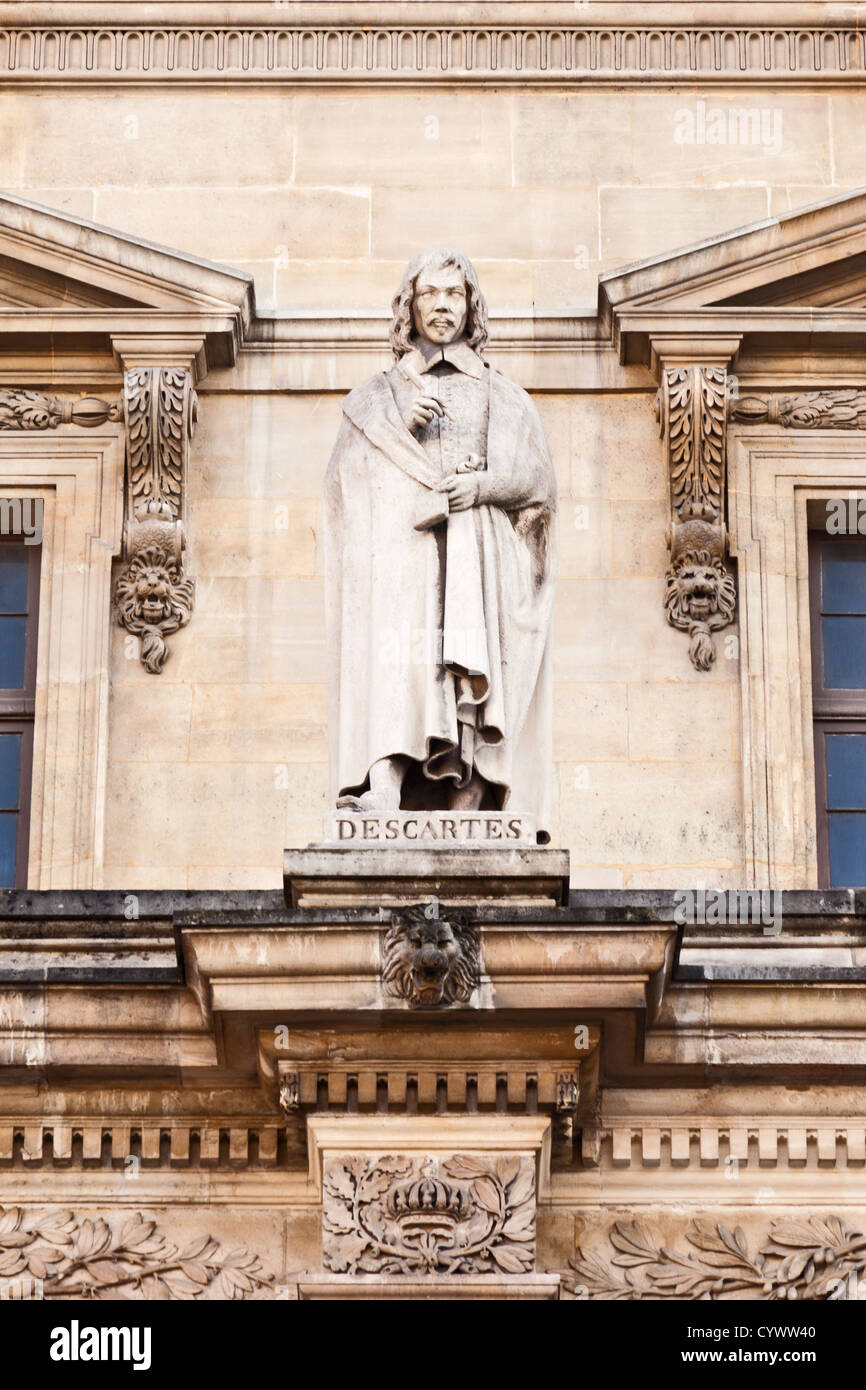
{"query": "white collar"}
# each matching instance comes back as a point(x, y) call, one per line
point(425, 355)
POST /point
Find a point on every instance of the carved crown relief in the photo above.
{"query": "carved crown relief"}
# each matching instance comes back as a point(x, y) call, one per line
point(394, 1214)
point(700, 596)
point(153, 597)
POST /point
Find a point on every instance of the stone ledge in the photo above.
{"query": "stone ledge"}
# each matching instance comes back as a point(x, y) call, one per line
point(453, 1287)
point(20, 907)
point(323, 876)
point(424, 1134)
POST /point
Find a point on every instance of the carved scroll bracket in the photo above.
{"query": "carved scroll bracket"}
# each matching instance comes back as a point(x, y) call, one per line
point(700, 597)
point(154, 597)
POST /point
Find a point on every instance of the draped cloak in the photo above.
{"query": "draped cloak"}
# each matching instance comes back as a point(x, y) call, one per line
point(433, 631)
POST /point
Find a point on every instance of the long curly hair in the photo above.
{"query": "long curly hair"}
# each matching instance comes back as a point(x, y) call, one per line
point(402, 326)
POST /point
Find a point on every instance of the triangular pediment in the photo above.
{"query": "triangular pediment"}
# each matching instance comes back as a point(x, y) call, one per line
point(27, 286)
point(813, 257)
point(60, 274)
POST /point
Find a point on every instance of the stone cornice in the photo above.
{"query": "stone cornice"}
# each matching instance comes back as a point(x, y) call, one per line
point(463, 44)
point(605, 956)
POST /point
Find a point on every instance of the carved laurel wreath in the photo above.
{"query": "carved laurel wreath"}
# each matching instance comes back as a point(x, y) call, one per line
point(810, 1259)
point(79, 1258)
point(390, 1215)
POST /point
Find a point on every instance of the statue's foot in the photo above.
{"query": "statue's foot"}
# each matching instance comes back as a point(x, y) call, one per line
point(369, 803)
point(470, 797)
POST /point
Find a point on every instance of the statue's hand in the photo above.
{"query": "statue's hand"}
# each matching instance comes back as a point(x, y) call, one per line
point(422, 412)
point(462, 490)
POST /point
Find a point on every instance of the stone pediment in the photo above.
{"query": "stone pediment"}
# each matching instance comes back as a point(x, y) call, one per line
point(813, 256)
point(800, 274)
point(24, 285)
point(62, 275)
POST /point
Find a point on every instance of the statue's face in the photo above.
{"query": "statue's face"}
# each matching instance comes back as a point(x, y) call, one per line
point(440, 305)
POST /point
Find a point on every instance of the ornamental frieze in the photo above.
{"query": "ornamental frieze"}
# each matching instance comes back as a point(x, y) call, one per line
point(844, 409)
point(492, 52)
point(78, 1257)
point(816, 1257)
point(33, 410)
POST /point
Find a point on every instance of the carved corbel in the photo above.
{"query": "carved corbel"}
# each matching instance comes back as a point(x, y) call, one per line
point(290, 1092)
point(153, 597)
point(700, 596)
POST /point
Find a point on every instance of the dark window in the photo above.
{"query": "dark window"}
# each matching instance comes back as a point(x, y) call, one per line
point(19, 611)
point(837, 586)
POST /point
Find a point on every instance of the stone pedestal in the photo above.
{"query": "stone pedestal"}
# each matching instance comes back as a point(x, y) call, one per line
point(378, 875)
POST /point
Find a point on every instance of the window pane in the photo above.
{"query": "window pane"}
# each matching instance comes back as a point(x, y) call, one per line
point(10, 762)
point(13, 645)
point(846, 771)
point(844, 653)
point(8, 830)
point(847, 849)
point(843, 580)
point(13, 578)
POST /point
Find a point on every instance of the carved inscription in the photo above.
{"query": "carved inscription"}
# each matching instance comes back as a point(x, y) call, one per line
point(430, 828)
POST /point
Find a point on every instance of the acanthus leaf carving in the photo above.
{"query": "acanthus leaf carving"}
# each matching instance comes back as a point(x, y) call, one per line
point(843, 409)
point(153, 597)
point(33, 410)
point(161, 411)
point(395, 1214)
point(700, 595)
point(812, 1258)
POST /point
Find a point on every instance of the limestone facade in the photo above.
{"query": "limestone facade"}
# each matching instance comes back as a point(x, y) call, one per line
point(206, 1046)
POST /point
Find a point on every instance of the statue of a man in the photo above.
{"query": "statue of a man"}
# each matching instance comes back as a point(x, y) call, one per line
point(440, 537)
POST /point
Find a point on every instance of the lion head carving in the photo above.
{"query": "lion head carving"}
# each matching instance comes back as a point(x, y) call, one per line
point(153, 601)
point(700, 598)
point(430, 961)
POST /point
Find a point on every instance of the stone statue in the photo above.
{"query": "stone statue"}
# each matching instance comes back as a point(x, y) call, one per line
point(440, 562)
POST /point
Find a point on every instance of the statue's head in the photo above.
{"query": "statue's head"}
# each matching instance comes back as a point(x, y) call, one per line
point(439, 299)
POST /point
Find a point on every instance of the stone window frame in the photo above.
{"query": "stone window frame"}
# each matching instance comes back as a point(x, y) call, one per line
point(80, 481)
point(773, 474)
